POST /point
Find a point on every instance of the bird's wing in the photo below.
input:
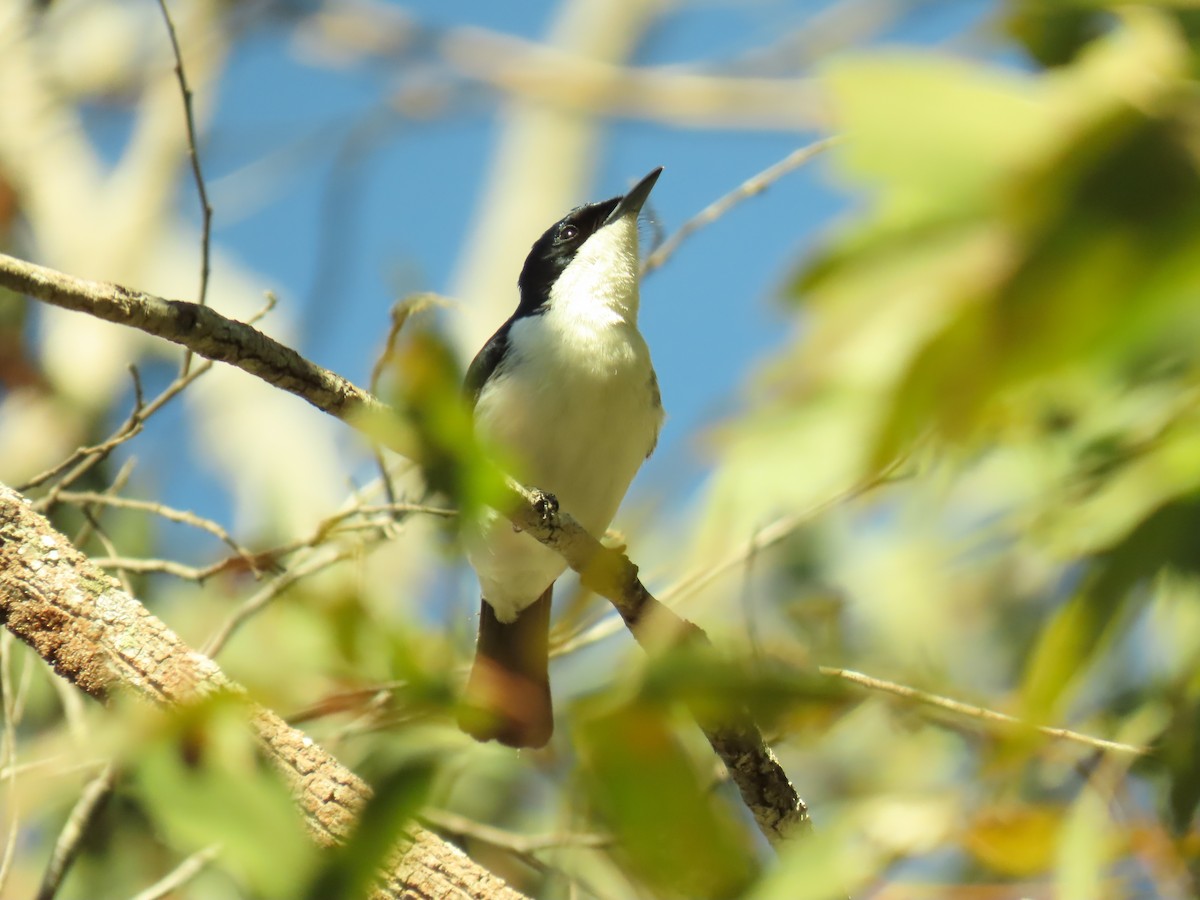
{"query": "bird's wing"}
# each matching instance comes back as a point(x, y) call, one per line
point(656, 396)
point(486, 362)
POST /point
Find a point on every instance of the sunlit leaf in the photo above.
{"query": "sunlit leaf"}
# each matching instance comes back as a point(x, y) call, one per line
point(1016, 840)
point(434, 421)
point(672, 831)
point(202, 780)
point(1085, 627)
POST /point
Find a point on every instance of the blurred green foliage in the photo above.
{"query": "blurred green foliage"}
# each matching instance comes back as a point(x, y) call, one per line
point(1014, 318)
point(1009, 325)
point(198, 775)
point(423, 384)
point(679, 840)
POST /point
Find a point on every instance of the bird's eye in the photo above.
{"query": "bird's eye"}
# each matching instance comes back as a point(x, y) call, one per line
point(568, 233)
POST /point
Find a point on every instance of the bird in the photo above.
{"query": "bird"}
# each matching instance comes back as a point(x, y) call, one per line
point(566, 393)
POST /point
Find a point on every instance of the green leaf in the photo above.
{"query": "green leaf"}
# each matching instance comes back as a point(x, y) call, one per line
point(202, 780)
point(433, 419)
point(897, 113)
point(1085, 627)
point(671, 830)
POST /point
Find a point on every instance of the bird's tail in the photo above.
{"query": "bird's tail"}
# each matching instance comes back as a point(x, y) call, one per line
point(508, 693)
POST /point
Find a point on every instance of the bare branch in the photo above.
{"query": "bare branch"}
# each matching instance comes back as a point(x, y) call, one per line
point(270, 591)
point(194, 156)
point(763, 539)
point(200, 329)
point(66, 848)
point(180, 875)
point(748, 188)
point(671, 95)
point(183, 517)
point(764, 786)
point(85, 458)
point(99, 637)
point(981, 713)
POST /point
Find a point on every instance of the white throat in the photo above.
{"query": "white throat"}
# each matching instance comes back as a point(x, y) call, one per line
point(600, 285)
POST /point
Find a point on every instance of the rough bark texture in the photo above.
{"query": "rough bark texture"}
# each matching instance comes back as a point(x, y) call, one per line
point(98, 637)
point(764, 785)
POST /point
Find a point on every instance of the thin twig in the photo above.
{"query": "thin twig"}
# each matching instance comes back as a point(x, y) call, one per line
point(130, 428)
point(197, 175)
point(52, 762)
point(507, 840)
point(763, 539)
point(118, 484)
point(182, 516)
point(302, 569)
point(748, 188)
point(978, 712)
point(269, 559)
point(180, 875)
point(407, 508)
point(161, 566)
point(111, 549)
point(85, 458)
point(368, 717)
point(66, 848)
point(269, 592)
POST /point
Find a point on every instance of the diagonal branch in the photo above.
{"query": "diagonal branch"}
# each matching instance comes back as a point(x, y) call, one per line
point(751, 187)
point(98, 636)
point(198, 328)
point(764, 786)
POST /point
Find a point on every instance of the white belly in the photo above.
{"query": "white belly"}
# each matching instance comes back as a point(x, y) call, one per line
point(575, 424)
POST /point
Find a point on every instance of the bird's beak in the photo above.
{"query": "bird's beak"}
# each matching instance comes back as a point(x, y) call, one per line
point(631, 203)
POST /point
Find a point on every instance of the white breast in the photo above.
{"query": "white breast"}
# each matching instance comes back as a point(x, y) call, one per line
point(577, 409)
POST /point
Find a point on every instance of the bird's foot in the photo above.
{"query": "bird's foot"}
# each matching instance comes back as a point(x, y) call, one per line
point(546, 505)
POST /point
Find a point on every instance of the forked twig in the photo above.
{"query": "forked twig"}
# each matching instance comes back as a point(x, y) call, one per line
point(84, 459)
point(182, 516)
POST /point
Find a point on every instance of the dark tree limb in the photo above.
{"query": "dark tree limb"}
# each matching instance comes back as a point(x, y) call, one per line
point(99, 637)
point(763, 784)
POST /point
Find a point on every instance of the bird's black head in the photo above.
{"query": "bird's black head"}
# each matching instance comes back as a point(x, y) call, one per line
point(554, 250)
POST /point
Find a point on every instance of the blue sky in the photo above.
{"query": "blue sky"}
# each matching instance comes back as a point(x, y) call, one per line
point(394, 216)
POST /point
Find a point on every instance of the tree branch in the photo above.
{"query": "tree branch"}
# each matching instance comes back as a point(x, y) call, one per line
point(198, 328)
point(98, 636)
point(764, 786)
